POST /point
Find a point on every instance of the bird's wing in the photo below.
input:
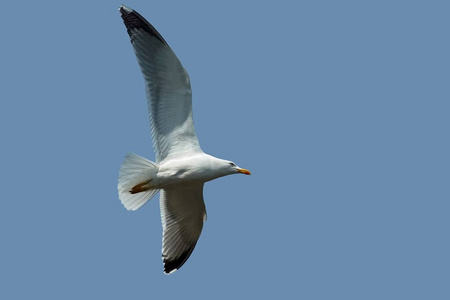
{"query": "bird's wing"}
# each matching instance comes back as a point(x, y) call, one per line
point(168, 88)
point(182, 213)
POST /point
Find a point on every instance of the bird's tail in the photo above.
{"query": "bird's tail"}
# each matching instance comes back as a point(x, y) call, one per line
point(135, 177)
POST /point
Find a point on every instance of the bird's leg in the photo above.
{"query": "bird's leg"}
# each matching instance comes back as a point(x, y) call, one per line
point(140, 187)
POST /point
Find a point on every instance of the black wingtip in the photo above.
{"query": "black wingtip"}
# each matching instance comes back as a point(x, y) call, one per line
point(133, 21)
point(171, 266)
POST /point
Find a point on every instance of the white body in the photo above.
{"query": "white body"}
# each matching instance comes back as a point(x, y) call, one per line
point(194, 168)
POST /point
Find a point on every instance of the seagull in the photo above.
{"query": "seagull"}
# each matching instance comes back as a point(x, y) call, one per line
point(181, 167)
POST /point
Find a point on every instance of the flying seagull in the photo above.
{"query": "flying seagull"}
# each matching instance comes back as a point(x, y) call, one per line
point(181, 167)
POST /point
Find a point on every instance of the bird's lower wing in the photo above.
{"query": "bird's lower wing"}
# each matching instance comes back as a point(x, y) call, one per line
point(182, 213)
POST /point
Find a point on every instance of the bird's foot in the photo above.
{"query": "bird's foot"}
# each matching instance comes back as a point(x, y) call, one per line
point(140, 187)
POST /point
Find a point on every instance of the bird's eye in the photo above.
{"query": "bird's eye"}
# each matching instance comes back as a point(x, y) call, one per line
point(232, 164)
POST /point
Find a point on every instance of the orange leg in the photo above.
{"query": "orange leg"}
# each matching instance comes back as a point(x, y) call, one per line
point(140, 187)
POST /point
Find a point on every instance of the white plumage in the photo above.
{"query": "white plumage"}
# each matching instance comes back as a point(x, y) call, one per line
point(181, 167)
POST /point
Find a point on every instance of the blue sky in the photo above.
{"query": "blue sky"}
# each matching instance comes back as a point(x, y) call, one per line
point(339, 108)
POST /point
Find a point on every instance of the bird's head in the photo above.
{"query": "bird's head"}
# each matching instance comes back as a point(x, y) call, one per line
point(221, 167)
point(231, 166)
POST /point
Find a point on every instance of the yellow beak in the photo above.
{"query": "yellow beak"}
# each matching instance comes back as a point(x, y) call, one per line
point(244, 171)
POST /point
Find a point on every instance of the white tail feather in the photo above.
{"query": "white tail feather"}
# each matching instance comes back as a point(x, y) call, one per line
point(135, 170)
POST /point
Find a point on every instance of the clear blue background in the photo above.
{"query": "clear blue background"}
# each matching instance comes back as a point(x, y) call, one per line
point(339, 108)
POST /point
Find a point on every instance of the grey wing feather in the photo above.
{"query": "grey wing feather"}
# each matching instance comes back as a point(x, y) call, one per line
point(167, 86)
point(182, 213)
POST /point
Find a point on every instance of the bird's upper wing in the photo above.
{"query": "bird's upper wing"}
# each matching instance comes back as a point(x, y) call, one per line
point(168, 88)
point(182, 213)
